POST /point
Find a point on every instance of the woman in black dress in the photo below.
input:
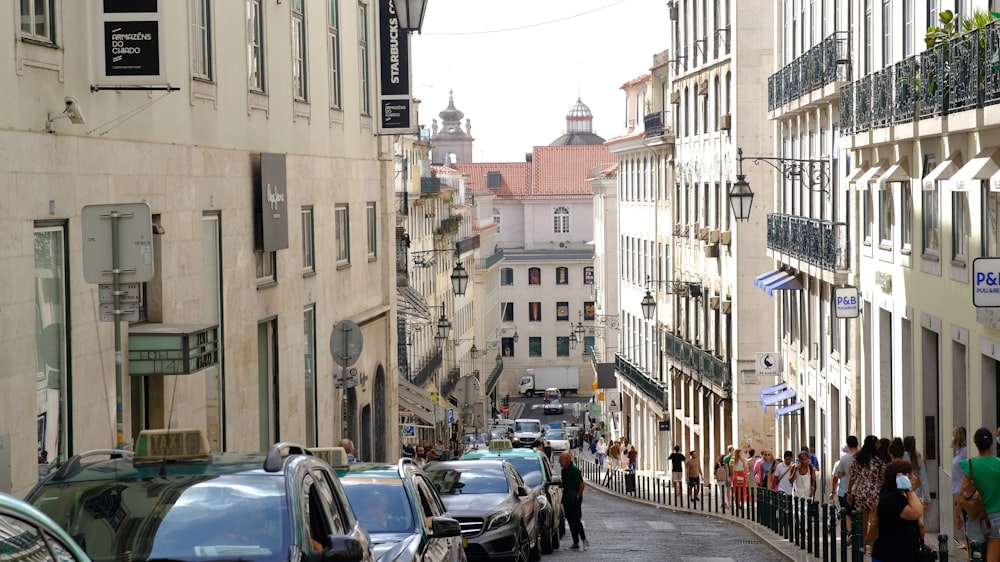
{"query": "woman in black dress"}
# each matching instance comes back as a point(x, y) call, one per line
point(899, 512)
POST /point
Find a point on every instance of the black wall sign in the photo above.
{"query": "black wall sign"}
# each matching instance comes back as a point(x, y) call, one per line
point(395, 114)
point(131, 48)
point(394, 54)
point(129, 6)
point(270, 202)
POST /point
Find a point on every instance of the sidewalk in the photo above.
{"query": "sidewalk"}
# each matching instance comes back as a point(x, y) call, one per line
point(786, 548)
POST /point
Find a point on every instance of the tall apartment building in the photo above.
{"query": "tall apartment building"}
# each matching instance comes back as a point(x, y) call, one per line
point(251, 141)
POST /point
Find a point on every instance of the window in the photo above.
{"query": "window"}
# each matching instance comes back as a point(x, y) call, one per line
point(309, 370)
point(562, 346)
point(868, 216)
point(886, 37)
point(588, 275)
point(36, 20)
point(299, 84)
point(906, 217)
point(588, 343)
point(868, 60)
point(308, 241)
point(991, 239)
point(562, 311)
point(534, 276)
point(341, 219)
point(506, 312)
point(931, 213)
point(507, 346)
point(562, 276)
point(886, 215)
point(201, 39)
point(267, 383)
point(496, 218)
point(333, 52)
point(507, 276)
point(534, 346)
point(535, 311)
point(266, 265)
point(933, 10)
point(908, 28)
point(960, 226)
point(560, 220)
point(493, 180)
point(372, 227)
point(255, 45)
point(588, 310)
point(366, 102)
point(51, 339)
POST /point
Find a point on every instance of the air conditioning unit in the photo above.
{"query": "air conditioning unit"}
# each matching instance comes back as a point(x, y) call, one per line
point(725, 122)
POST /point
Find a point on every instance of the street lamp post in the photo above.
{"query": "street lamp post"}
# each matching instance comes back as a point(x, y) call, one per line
point(410, 14)
point(812, 174)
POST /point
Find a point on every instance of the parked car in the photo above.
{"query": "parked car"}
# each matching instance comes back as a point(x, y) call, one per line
point(402, 512)
point(28, 534)
point(176, 500)
point(498, 512)
point(536, 470)
point(553, 406)
point(557, 440)
point(527, 431)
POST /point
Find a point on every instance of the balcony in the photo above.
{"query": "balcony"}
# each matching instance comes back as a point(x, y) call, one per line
point(430, 186)
point(819, 66)
point(656, 127)
point(467, 244)
point(449, 225)
point(823, 244)
point(491, 382)
point(704, 365)
point(450, 382)
point(948, 78)
point(489, 262)
point(427, 371)
point(653, 390)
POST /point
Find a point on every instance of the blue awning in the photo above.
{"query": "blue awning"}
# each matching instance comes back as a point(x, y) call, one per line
point(785, 410)
point(787, 283)
point(762, 280)
point(769, 399)
point(773, 389)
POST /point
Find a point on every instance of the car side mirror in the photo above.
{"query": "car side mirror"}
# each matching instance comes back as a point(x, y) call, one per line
point(444, 527)
point(556, 482)
point(522, 491)
point(343, 549)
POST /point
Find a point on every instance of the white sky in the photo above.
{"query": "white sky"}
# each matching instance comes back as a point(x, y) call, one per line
point(516, 85)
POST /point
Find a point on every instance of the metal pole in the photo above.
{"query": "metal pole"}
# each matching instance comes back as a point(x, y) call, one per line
point(116, 292)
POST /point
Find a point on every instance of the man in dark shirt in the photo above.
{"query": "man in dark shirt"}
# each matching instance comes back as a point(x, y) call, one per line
point(677, 469)
point(572, 497)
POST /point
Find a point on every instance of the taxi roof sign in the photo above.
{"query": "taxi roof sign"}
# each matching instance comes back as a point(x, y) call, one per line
point(501, 445)
point(155, 445)
point(334, 456)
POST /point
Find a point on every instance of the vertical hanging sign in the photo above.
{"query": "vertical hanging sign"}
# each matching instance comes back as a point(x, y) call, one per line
point(130, 52)
point(395, 103)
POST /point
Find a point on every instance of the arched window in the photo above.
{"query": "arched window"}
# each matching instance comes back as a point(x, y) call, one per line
point(534, 276)
point(562, 276)
point(560, 220)
point(507, 276)
point(496, 218)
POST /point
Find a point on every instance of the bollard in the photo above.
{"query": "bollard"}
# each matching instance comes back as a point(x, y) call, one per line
point(857, 537)
point(825, 532)
point(813, 535)
point(942, 548)
point(977, 551)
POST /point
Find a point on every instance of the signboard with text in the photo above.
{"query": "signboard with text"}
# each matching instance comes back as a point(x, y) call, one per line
point(395, 99)
point(129, 52)
point(846, 302)
point(986, 282)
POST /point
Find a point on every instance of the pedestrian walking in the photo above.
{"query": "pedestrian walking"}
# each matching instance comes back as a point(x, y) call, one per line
point(738, 468)
point(633, 458)
point(614, 453)
point(803, 477)
point(843, 475)
point(983, 471)
point(866, 480)
point(572, 500)
point(899, 512)
point(782, 474)
point(602, 450)
point(762, 468)
point(677, 470)
point(692, 466)
point(722, 478)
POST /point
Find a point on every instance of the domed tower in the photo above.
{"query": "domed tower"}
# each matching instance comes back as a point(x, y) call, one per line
point(450, 143)
point(579, 127)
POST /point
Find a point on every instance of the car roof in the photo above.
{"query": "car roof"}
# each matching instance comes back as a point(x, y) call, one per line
point(492, 462)
point(11, 504)
point(369, 470)
point(502, 454)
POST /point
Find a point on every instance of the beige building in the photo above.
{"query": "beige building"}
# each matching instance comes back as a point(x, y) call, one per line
point(251, 140)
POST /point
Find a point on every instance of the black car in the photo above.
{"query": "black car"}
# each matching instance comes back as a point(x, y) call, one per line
point(498, 512)
point(175, 500)
point(401, 510)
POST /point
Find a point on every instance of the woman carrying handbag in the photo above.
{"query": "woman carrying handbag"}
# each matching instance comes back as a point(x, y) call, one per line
point(982, 474)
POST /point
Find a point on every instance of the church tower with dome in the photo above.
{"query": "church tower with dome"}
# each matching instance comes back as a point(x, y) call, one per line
point(579, 127)
point(449, 143)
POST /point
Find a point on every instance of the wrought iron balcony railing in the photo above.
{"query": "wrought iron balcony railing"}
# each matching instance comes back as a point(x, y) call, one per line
point(704, 365)
point(817, 67)
point(430, 186)
point(654, 390)
point(956, 75)
point(490, 261)
point(427, 371)
point(821, 243)
point(494, 378)
point(450, 382)
point(656, 125)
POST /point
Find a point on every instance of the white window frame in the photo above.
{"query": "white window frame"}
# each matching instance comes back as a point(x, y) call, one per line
point(371, 217)
point(560, 220)
point(300, 82)
point(308, 241)
point(309, 374)
point(333, 53)
point(38, 13)
point(886, 221)
point(906, 217)
point(930, 210)
point(256, 48)
point(960, 227)
point(201, 39)
point(342, 219)
point(266, 267)
point(364, 59)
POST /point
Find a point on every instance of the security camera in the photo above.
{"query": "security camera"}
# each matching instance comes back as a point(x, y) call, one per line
point(73, 111)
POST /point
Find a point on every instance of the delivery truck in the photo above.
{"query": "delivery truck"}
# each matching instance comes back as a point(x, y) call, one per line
point(535, 381)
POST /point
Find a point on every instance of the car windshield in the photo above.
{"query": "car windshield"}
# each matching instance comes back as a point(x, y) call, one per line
point(190, 518)
point(381, 507)
point(555, 435)
point(450, 481)
point(526, 426)
point(529, 469)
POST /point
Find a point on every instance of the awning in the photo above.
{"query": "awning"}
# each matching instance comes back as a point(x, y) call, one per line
point(943, 171)
point(900, 171)
point(412, 398)
point(871, 174)
point(856, 173)
point(769, 391)
point(762, 279)
point(785, 410)
point(982, 167)
point(412, 303)
point(788, 282)
point(769, 399)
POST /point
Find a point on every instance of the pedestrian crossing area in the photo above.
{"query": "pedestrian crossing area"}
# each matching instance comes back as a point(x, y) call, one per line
point(623, 524)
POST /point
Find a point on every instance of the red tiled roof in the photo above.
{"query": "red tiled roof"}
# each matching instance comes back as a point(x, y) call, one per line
point(554, 171)
point(634, 81)
point(626, 136)
point(514, 177)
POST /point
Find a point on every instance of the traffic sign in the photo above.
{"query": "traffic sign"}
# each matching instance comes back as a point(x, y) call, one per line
point(346, 342)
point(505, 409)
point(132, 241)
point(408, 430)
point(451, 415)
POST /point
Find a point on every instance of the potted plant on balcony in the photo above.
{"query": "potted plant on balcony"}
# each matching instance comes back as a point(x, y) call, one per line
point(952, 26)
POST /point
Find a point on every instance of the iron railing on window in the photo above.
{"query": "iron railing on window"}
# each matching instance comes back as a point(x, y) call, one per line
point(653, 389)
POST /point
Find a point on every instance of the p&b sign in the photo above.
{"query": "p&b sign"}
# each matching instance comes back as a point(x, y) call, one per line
point(986, 282)
point(846, 302)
